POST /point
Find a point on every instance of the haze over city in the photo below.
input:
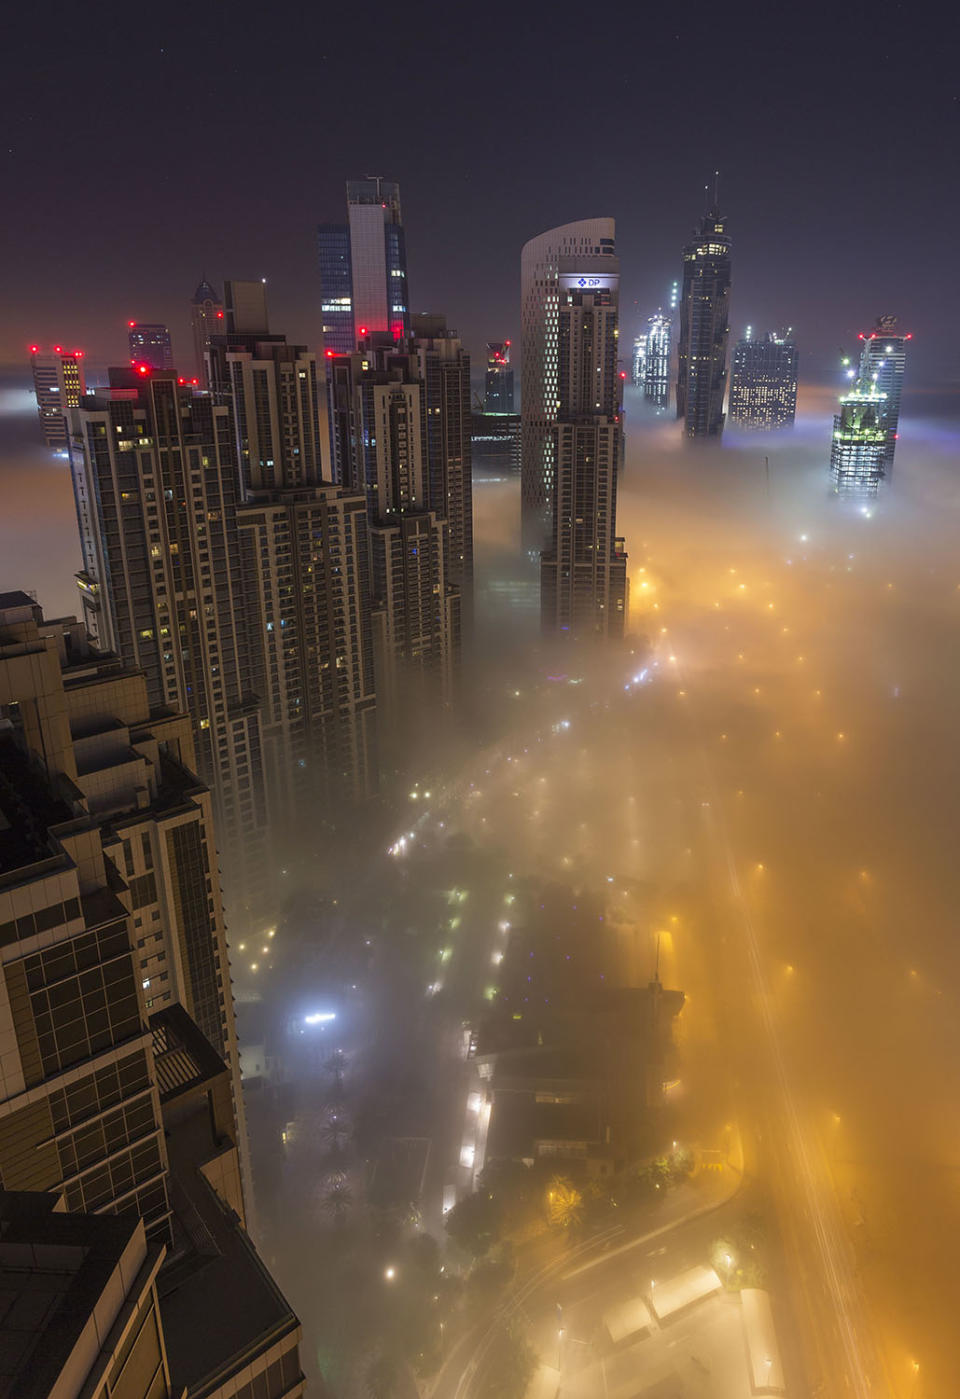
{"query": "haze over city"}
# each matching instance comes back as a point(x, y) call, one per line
point(478, 775)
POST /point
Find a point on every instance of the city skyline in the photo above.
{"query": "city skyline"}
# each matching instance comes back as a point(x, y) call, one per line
point(461, 245)
point(460, 809)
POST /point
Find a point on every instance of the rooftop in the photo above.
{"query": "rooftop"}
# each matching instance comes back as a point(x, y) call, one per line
point(54, 1269)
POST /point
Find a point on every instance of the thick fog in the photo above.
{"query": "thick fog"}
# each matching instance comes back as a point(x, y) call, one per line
point(762, 782)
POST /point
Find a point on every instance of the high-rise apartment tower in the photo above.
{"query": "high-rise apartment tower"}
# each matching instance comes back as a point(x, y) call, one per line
point(305, 551)
point(583, 568)
point(157, 488)
point(580, 254)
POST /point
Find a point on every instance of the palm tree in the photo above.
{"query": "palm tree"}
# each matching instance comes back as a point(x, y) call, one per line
point(337, 1197)
point(564, 1203)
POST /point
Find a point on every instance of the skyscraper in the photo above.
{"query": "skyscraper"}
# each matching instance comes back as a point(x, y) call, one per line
point(656, 362)
point(363, 268)
point(859, 447)
point(112, 1099)
point(305, 554)
point(206, 319)
point(277, 403)
point(383, 448)
point(150, 345)
point(498, 381)
point(704, 328)
point(883, 360)
point(579, 253)
point(59, 385)
point(157, 488)
point(444, 369)
point(639, 360)
point(763, 386)
point(583, 569)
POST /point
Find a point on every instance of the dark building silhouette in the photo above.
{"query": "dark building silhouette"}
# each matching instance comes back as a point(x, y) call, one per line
point(498, 380)
point(150, 345)
point(704, 328)
point(206, 320)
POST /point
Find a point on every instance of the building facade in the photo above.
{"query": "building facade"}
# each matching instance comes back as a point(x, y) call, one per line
point(883, 362)
point(119, 1076)
point(859, 447)
point(495, 443)
point(206, 320)
point(580, 253)
point(763, 385)
point(157, 489)
point(444, 370)
point(583, 571)
point(305, 553)
point(363, 268)
point(704, 328)
point(382, 448)
point(656, 360)
point(498, 380)
point(150, 345)
point(59, 385)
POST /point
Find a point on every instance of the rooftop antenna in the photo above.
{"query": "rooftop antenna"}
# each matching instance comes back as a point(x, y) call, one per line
point(716, 189)
point(656, 965)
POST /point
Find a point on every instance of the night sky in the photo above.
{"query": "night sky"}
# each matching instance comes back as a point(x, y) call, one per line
point(148, 144)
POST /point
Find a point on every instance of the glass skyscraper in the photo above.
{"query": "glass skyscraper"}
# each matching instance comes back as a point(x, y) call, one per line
point(704, 328)
point(859, 444)
point(656, 363)
point(363, 268)
point(763, 388)
point(883, 360)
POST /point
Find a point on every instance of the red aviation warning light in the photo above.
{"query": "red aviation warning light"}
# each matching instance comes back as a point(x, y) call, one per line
point(34, 349)
point(131, 324)
point(58, 349)
point(143, 369)
point(219, 315)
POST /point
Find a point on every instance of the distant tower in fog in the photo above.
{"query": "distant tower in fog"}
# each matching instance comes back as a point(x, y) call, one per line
point(882, 364)
point(763, 387)
point(656, 364)
point(150, 345)
point(704, 327)
point(498, 382)
point(206, 319)
point(59, 385)
point(363, 268)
